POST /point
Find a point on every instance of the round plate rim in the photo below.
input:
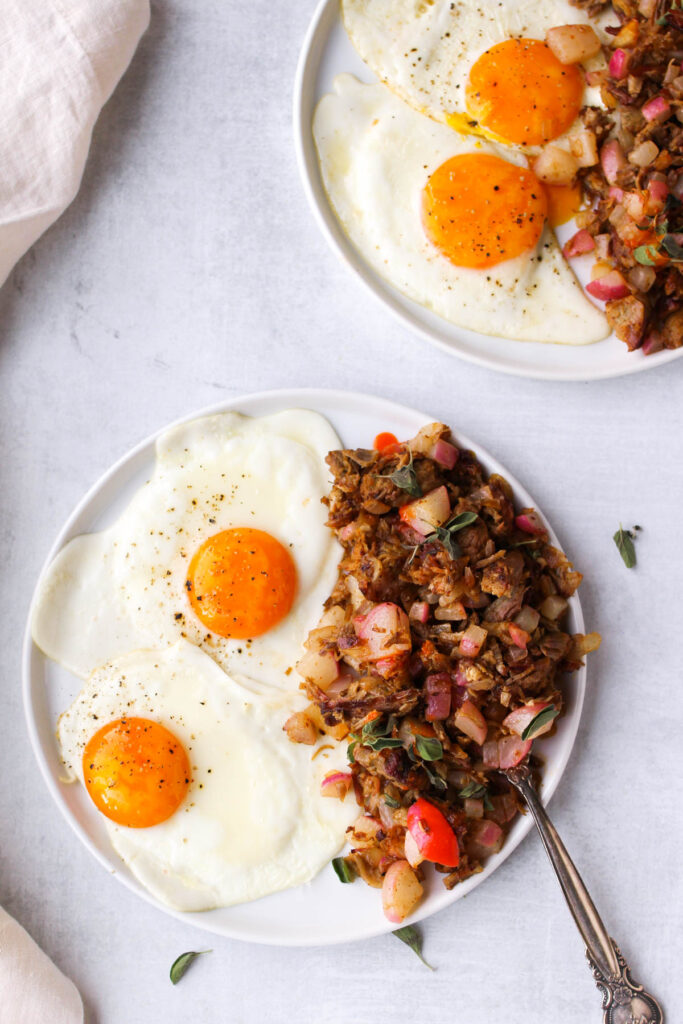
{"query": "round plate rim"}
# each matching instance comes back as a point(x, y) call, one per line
point(287, 398)
point(307, 163)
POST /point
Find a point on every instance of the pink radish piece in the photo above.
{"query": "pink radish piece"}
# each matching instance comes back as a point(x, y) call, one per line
point(518, 720)
point(656, 109)
point(578, 244)
point(424, 514)
point(445, 454)
point(612, 159)
point(401, 891)
point(469, 719)
point(611, 286)
point(530, 522)
point(472, 641)
point(618, 64)
point(336, 784)
point(386, 631)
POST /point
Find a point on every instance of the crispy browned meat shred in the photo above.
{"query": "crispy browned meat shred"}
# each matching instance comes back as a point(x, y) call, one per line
point(636, 190)
point(493, 582)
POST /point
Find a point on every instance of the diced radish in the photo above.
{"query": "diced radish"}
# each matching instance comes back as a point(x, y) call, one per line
point(647, 7)
point(519, 637)
point(644, 154)
point(529, 521)
point(300, 729)
point(336, 784)
point(474, 808)
point(572, 44)
point(445, 454)
point(426, 438)
point(584, 147)
point(612, 160)
point(555, 166)
point(419, 612)
point(469, 719)
point(553, 607)
point(512, 751)
point(319, 668)
point(485, 837)
point(618, 64)
point(656, 109)
point(616, 193)
point(641, 278)
point(654, 342)
point(634, 204)
point(659, 190)
point(518, 720)
point(472, 641)
point(611, 286)
point(528, 618)
point(578, 244)
point(412, 852)
point(386, 631)
point(401, 891)
point(364, 831)
point(424, 514)
point(438, 688)
point(387, 667)
point(491, 754)
point(454, 613)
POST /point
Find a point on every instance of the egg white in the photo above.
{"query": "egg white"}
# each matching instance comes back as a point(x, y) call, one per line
point(253, 821)
point(124, 588)
point(376, 155)
point(424, 49)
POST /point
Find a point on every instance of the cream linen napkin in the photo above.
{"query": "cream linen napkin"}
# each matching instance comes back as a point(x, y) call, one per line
point(60, 61)
point(32, 990)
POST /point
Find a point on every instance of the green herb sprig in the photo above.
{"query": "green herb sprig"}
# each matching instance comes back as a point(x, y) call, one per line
point(405, 478)
point(539, 720)
point(412, 938)
point(624, 542)
point(181, 965)
point(344, 872)
point(446, 532)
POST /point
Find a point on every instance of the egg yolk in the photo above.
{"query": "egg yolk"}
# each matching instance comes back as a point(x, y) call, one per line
point(479, 210)
point(564, 202)
point(241, 583)
point(136, 772)
point(519, 91)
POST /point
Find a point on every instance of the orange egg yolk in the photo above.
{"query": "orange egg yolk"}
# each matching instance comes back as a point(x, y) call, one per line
point(136, 772)
point(519, 91)
point(241, 583)
point(479, 210)
point(564, 202)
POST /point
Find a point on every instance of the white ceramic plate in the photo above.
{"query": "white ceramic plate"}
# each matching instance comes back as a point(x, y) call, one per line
point(323, 911)
point(327, 51)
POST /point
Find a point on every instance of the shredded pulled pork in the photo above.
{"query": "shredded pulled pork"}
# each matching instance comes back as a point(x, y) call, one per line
point(446, 618)
point(636, 187)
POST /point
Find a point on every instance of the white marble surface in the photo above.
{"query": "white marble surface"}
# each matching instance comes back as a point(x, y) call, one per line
point(188, 268)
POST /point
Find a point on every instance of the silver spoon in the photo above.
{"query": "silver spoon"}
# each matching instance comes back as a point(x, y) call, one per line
point(624, 1002)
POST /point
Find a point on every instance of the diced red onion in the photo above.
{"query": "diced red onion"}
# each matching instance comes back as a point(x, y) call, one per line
point(454, 614)
point(618, 64)
point(445, 454)
point(438, 688)
point(578, 244)
point(612, 159)
point(656, 109)
point(491, 754)
point(474, 808)
point(611, 286)
point(487, 834)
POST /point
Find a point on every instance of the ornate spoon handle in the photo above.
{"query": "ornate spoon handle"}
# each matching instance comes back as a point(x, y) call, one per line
point(624, 1002)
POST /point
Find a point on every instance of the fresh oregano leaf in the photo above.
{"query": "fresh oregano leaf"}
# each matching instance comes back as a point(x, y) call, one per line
point(382, 743)
point(390, 802)
point(344, 872)
point(473, 789)
point(624, 542)
point(412, 938)
point(647, 255)
point(429, 748)
point(539, 720)
point(445, 533)
point(488, 803)
point(436, 780)
point(674, 250)
point(180, 966)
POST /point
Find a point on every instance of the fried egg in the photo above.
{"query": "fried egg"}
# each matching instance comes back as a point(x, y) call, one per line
point(202, 794)
point(225, 546)
point(454, 222)
point(478, 67)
